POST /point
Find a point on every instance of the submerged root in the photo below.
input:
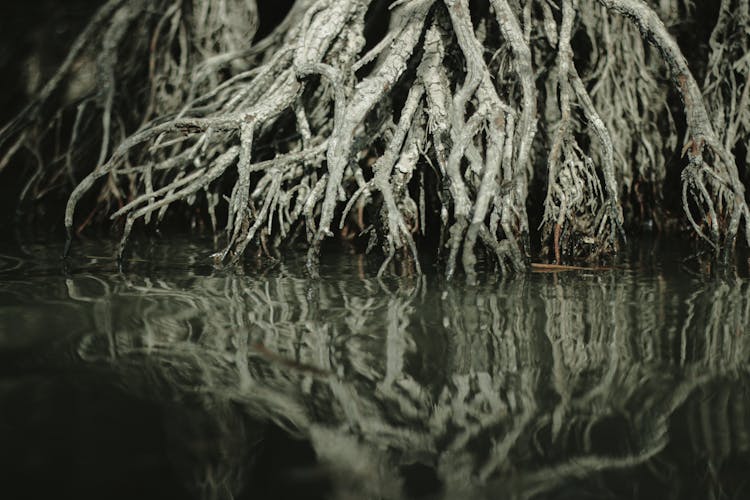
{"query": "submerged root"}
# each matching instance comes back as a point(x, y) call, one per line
point(432, 127)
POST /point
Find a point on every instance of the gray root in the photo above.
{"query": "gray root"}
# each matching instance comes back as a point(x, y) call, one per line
point(304, 131)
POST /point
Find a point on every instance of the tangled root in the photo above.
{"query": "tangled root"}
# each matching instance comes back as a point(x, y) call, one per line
point(318, 127)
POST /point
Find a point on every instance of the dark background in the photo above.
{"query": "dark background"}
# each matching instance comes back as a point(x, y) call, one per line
point(33, 33)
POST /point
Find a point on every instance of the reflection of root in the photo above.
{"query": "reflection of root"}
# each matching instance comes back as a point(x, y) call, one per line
point(352, 366)
point(274, 140)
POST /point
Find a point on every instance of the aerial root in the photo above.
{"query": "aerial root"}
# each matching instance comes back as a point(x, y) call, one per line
point(437, 120)
point(725, 192)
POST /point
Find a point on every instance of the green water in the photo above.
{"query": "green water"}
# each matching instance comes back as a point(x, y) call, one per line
point(174, 379)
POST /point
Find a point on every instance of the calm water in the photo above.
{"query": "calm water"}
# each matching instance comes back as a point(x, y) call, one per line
point(174, 379)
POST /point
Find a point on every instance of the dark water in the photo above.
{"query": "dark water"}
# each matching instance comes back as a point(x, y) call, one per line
point(173, 379)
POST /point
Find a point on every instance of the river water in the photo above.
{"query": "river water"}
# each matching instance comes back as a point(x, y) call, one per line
point(171, 378)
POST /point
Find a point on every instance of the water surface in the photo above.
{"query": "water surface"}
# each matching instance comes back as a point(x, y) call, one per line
point(171, 378)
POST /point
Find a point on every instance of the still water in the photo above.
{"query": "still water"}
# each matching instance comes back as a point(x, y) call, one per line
point(175, 379)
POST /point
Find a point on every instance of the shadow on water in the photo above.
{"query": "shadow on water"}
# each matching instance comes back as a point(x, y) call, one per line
point(176, 380)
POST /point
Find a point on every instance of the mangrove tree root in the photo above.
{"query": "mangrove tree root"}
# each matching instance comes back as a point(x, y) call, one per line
point(438, 123)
